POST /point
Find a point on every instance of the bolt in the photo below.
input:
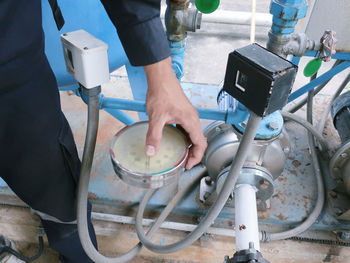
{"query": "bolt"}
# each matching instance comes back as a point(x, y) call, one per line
point(86, 48)
point(344, 235)
point(206, 195)
point(333, 194)
point(337, 211)
point(264, 184)
point(208, 180)
point(286, 150)
point(344, 155)
point(230, 198)
point(65, 34)
point(243, 124)
point(273, 126)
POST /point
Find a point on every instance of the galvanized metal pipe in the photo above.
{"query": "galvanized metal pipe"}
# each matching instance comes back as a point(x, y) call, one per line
point(166, 225)
point(235, 18)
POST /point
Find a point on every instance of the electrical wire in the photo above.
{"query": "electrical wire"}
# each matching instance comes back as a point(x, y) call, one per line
point(89, 147)
point(266, 237)
point(323, 142)
point(7, 249)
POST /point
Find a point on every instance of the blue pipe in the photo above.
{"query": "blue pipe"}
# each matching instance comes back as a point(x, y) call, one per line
point(343, 55)
point(177, 52)
point(237, 117)
point(140, 106)
point(115, 112)
point(121, 116)
point(318, 81)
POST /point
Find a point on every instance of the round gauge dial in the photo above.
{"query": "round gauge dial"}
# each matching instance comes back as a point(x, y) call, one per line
point(129, 149)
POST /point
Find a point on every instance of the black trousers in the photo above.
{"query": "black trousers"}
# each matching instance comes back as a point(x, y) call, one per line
point(38, 156)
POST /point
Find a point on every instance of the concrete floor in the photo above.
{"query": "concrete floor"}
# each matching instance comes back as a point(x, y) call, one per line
point(205, 62)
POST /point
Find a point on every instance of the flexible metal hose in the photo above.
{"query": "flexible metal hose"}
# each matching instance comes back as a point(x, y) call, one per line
point(237, 164)
point(319, 180)
point(323, 142)
point(89, 148)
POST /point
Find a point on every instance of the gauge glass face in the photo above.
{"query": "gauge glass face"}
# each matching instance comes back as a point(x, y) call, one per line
point(129, 149)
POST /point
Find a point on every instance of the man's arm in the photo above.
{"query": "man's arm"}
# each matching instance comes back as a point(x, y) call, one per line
point(142, 35)
point(166, 104)
point(140, 29)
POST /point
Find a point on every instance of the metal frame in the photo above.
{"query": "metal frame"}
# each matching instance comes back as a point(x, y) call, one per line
point(114, 106)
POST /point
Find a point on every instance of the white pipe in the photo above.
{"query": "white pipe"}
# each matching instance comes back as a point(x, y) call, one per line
point(246, 217)
point(235, 18)
point(166, 225)
point(253, 22)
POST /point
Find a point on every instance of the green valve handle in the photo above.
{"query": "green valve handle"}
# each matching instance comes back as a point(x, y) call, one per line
point(207, 6)
point(312, 67)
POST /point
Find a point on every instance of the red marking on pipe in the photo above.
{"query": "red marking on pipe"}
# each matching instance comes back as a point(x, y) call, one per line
point(242, 227)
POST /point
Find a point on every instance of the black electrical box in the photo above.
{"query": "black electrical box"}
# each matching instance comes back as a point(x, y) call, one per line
point(259, 79)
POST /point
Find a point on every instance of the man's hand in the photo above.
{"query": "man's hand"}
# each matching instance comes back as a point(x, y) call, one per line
point(167, 104)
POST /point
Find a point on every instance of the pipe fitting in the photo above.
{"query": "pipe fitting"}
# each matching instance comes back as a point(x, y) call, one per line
point(181, 17)
point(286, 14)
point(298, 44)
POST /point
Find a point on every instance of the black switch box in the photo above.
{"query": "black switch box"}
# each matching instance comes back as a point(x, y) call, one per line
point(259, 79)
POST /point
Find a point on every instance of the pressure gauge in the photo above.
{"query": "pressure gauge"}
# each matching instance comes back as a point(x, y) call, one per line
point(134, 167)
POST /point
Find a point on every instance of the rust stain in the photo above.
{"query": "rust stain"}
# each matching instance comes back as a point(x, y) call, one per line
point(296, 163)
point(281, 217)
point(295, 16)
point(178, 2)
point(293, 172)
point(305, 204)
point(342, 50)
point(242, 227)
point(278, 196)
point(264, 214)
point(282, 179)
point(307, 197)
point(282, 14)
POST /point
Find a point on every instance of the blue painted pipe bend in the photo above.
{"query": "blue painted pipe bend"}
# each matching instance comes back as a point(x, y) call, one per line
point(270, 126)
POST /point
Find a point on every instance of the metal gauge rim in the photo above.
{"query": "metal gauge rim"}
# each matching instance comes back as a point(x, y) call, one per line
point(151, 180)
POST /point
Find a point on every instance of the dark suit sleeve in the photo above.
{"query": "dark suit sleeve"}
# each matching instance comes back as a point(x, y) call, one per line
point(140, 29)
